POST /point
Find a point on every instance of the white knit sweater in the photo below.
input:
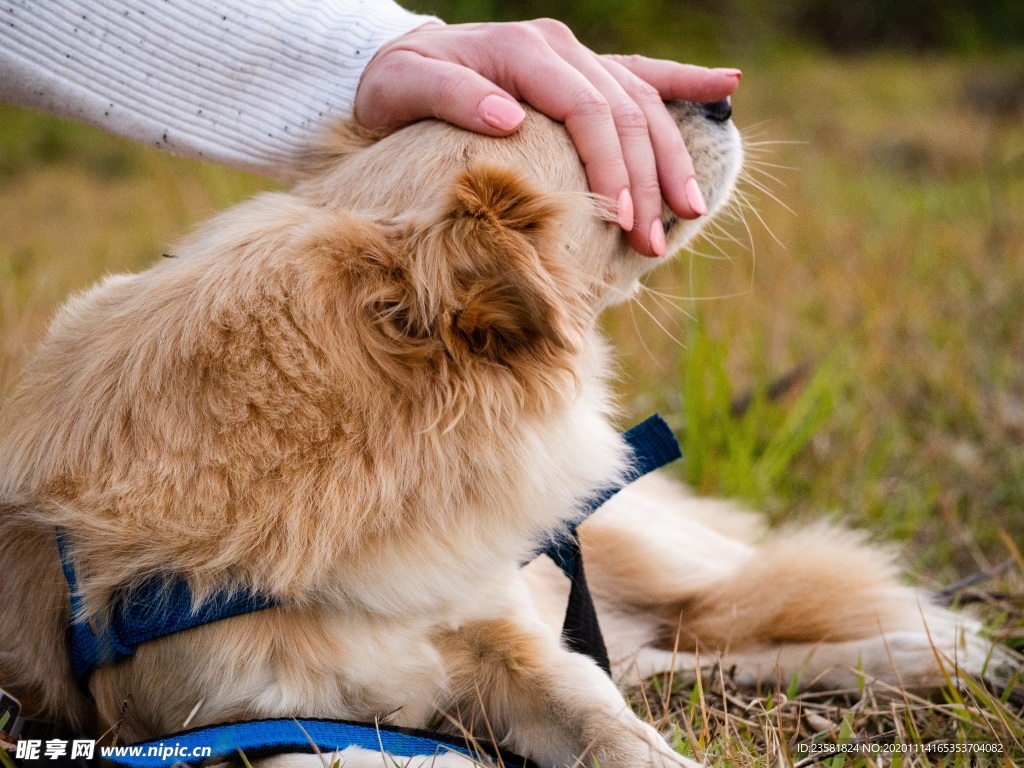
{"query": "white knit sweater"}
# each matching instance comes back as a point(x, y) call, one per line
point(245, 83)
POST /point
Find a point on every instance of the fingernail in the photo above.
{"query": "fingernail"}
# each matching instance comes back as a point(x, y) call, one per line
point(499, 112)
point(657, 238)
point(695, 198)
point(728, 72)
point(624, 210)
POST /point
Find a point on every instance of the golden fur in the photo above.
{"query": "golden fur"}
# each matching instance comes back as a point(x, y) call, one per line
point(369, 398)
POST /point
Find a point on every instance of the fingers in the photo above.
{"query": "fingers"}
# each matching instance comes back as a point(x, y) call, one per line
point(407, 86)
point(612, 106)
point(652, 149)
point(607, 127)
point(642, 196)
point(675, 173)
point(681, 81)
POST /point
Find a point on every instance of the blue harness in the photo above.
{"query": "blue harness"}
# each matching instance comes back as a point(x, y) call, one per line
point(164, 606)
point(263, 738)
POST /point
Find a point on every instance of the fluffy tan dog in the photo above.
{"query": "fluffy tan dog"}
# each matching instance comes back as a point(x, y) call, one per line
point(370, 398)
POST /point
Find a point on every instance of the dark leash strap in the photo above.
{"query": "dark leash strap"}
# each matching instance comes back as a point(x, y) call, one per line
point(164, 606)
point(581, 630)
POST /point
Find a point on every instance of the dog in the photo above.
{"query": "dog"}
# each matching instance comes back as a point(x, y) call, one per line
point(370, 398)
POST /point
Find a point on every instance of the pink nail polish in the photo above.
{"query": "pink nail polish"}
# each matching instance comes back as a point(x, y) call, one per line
point(500, 112)
point(624, 210)
point(657, 238)
point(695, 198)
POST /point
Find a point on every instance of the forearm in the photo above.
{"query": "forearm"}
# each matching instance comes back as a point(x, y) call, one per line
point(245, 83)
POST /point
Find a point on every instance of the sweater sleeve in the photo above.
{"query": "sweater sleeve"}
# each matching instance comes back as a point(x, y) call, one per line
point(244, 83)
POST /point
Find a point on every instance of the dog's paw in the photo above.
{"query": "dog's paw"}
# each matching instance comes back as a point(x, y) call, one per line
point(931, 660)
point(636, 745)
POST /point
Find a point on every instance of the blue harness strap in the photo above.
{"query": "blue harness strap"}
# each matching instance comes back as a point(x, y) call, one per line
point(262, 738)
point(156, 608)
point(654, 445)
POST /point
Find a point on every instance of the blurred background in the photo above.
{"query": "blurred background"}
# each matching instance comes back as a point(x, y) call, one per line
point(743, 28)
point(848, 342)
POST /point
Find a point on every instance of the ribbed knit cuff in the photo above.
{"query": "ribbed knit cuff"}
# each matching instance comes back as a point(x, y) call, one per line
point(245, 83)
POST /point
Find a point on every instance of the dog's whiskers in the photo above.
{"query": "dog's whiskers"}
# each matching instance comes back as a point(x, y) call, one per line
point(747, 178)
point(755, 167)
point(693, 299)
point(754, 128)
point(674, 303)
point(721, 232)
point(639, 333)
point(716, 234)
point(753, 144)
point(763, 164)
point(749, 205)
point(657, 322)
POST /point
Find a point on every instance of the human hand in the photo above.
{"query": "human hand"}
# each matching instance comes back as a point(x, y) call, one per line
point(472, 75)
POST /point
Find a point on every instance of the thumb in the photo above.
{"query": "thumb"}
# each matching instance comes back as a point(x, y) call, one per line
point(404, 87)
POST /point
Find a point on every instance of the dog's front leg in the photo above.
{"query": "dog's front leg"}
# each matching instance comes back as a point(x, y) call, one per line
point(512, 679)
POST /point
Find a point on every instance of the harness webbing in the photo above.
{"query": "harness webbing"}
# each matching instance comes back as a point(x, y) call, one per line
point(262, 738)
point(581, 629)
point(156, 608)
point(653, 445)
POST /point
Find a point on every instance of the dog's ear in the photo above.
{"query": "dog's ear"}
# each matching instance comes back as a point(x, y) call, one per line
point(493, 275)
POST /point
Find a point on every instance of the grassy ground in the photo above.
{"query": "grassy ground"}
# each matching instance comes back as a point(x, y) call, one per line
point(887, 277)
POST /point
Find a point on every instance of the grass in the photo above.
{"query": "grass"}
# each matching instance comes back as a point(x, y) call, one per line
point(886, 302)
point(726, 725)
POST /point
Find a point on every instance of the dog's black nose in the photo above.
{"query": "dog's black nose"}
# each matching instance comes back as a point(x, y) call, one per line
point(719, 111)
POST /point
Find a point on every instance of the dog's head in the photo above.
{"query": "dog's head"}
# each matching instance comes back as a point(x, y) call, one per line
point(504, 249)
